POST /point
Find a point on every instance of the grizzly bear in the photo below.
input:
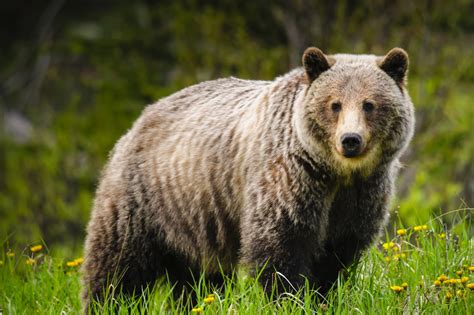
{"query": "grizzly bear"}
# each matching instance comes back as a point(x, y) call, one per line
point(292, 176)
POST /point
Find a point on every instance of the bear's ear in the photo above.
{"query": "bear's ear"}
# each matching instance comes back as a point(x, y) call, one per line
point(395, 64)
point(314, 63)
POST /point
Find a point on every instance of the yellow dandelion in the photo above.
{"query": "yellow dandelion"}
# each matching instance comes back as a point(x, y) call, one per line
point(417, 228)
point(396, 288)
point(442, 236)
point(401, 232)
point(209, 300)
point(464, 280)
point(471, 268)
point(398, 256)
point(36, 248)
point(10, 254)
point(388, 245)
point(396, 248)
point(459, 272)
point(197, 310)
point(449, 295)
point(460, 293)
point(470, 286)
point(30, 261)
point(72, 264)
point(79, 260)
point(452, 281)
point(442, 278)
point(405, 285)
point(424, 227)
point(387, 259)
point(437, 283)
point(447, 282)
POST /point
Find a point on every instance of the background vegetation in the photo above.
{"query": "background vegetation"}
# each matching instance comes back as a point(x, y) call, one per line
point(74, 75)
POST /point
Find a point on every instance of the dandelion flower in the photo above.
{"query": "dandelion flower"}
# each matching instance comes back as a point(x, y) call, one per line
point(388, 245)
point(209, 300)
point(396, 288)
point(72, 263)
point(449, 295)
point(36, 248)
point(442, 278)
point(470, 268)
point(10, 254)
point(464, 280)
point(30, 261)
point(442, 236)
point(76, 262)
point(452, 281)
point(401, 232)
point(460, 293)
point(79, 260)
point(447, 282)
point(197, 310)
point(459, 272)
point(437, 283)
point(470, 286)
point(398, 256)
point(417, 228)
point(405, 285)
point(387, 259)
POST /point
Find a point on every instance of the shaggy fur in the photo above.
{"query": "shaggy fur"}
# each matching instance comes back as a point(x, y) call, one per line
point(235, 171)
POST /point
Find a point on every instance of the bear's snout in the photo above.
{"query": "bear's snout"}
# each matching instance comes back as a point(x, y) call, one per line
point(352, 144)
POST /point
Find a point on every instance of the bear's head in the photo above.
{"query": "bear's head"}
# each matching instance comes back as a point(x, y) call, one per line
point(356, 113)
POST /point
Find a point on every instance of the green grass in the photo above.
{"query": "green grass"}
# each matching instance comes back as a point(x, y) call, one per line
point(416, 260)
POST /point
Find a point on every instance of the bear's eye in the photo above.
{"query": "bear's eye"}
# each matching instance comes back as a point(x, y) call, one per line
point(368, 106)
point(336, 107)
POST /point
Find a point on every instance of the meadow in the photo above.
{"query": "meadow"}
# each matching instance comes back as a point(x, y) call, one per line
point(423, 269)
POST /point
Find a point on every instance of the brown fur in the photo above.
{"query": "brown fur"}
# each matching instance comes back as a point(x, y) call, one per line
point(234, 171)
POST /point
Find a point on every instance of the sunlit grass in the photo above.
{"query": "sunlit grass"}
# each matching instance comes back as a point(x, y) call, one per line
point(422, 269)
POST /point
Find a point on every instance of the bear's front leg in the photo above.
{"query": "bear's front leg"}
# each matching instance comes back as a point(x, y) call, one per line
point(277, 250)
point(284, 222)
point(358, 214)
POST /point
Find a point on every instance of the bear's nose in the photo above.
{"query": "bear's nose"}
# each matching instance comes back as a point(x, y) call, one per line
point(351, 144)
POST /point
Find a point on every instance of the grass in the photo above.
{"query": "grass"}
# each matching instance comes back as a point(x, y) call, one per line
point(421, 270)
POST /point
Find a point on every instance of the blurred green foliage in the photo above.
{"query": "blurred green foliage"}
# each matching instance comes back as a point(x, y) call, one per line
point(75, 75)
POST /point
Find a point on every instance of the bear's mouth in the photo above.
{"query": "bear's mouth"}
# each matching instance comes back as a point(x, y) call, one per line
point(354, 155)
